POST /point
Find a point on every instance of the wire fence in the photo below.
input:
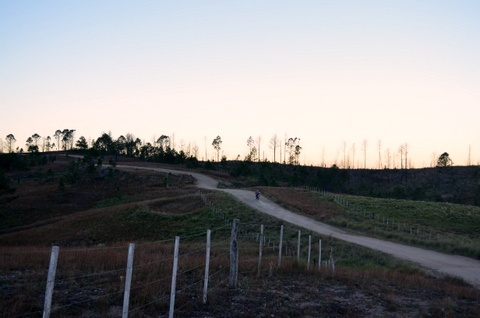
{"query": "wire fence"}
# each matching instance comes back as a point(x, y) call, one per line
point(98, 281)
point(385, 224)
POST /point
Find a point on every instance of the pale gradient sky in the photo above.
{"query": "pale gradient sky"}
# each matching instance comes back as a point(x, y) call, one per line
point(328, 72)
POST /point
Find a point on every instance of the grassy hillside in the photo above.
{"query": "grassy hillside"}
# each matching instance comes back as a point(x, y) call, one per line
point(446, 227)
point(447, 184)
point(93, 214)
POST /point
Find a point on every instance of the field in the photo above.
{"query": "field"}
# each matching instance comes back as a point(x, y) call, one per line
point(445, 227)
point(94, 217)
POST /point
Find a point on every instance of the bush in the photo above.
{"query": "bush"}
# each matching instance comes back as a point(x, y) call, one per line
point(191, 162)
point(209, 165)
point(4, 182)
point(11, 162)
point(242, 168)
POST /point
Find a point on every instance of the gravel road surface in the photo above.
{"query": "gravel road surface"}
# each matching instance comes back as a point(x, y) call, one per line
point(458, 266)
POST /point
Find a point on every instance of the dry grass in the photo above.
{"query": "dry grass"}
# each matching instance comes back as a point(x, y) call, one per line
point(90, 282)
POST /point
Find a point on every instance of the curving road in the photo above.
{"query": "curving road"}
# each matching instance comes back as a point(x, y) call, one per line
point(463, 267)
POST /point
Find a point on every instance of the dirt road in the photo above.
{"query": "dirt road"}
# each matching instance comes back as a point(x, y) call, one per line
point(458, 266)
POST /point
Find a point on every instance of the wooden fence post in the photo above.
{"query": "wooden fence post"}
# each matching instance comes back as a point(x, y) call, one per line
point(298, 245)
point(232, 280)
point(128, 280)
point(332, 260)
point(260, 250)
point(174, 277)
point(280, 247)
point(52, 269)
point(207, 268)
point(319, 253)
point(309, 251)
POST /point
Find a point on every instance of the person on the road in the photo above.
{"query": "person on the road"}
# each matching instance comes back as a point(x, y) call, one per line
point(257, 194)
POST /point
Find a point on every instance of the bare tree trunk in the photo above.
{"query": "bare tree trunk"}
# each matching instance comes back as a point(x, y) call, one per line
point(406, 156)
point(380, 154)
point(365, 154)
point(259, 152)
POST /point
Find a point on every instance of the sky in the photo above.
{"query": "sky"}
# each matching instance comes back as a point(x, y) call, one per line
point(353, 80)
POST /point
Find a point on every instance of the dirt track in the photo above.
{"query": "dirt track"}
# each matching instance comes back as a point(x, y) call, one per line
point(458, 266)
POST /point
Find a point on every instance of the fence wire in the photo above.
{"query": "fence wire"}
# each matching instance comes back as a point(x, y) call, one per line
point(152, 270)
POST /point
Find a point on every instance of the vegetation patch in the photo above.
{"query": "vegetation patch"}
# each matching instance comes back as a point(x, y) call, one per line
point(445, 227)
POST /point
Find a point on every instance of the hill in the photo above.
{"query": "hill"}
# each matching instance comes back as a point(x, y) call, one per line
point(92, 213)
point(442, 184)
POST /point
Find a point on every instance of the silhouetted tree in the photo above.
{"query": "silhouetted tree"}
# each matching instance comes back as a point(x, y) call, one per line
point(68, 135)
point(250, 143)
point(47, 145)
point(380, 164)
point(364, 149)
point(253, 154)
point(31, 147)
point(259, 142)
point(10, 142)
point(29, 142)
point(406, 155)
point(293, 147)
point(444, 160)
point(217, 145)
point(146, 151)
point(121, 144)
point(298, 149)
point(58, 135)
point(81, 143)
point(132, 144)
point(274, 144)
point(105, 143)
point(403, 155)
point(35, 138)
point(163, 142)
point(195, 151)
point(353, 155)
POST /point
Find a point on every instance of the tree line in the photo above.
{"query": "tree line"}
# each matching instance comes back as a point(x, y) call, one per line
point(160, 149)
point(35, 143)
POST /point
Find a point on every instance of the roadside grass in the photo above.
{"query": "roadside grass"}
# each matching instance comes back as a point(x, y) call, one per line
point(445, 227)
point(442, 217)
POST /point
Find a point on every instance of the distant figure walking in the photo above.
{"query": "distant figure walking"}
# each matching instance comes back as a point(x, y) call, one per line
point(257, 194)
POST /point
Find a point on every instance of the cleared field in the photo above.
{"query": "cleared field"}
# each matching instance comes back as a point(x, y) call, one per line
point(445, 227)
